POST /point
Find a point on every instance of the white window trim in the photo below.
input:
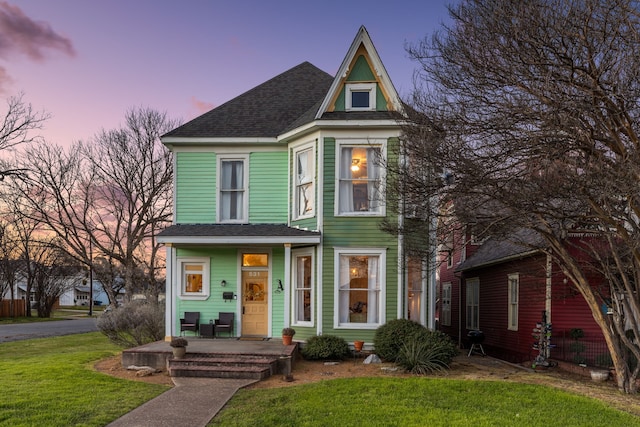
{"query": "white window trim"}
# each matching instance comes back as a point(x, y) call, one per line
point(245, 179)
point(349, 88)
point(294, 255)
point(469, 323)
point(294, 198)
point(382, 254)
point(513, 322)
point(360, 143)
point(206, 283)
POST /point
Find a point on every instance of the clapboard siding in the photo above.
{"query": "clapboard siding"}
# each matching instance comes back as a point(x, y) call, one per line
point(195, 187)
point(268, 187)
point(352, 232)
point(224, 266)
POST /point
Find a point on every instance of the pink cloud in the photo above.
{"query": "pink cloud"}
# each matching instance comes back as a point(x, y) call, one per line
point(21, 34)
point(199, 107)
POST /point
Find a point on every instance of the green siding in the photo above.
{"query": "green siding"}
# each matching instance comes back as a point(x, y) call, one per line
point(224, 266)
point(352, 232)
point(195, 188)
point(361, 71)
point(269, 198)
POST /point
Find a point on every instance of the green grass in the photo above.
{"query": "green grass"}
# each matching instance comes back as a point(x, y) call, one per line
point(417, 402)
point(50, 382)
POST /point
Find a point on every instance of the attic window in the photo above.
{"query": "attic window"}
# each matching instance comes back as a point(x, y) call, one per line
point(360, 96)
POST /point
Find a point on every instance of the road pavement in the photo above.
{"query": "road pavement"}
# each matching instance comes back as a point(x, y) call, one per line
point(27, 331)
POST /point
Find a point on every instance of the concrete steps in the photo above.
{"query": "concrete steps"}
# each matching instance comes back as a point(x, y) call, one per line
point(223, 366)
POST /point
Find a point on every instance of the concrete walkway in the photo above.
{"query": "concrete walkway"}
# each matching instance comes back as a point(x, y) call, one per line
point(192, 402)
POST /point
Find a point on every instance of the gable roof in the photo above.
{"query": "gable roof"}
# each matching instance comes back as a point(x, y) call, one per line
point(264, 111)
point(361, 39)
point(495, 251)
point(288, 101)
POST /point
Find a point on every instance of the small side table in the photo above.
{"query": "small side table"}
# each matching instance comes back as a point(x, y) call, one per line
point(207, 330)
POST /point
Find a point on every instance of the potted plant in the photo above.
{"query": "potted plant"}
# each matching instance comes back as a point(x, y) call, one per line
point(179, 346)
point(287, 335)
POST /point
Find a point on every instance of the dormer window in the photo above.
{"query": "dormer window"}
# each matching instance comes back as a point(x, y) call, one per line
point(360, 97)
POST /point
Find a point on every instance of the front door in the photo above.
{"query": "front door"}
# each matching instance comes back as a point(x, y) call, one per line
point(255, 295)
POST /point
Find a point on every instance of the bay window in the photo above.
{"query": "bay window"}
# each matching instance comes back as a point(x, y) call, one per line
point(360, 287)
point(304, 191)
point(359, 179)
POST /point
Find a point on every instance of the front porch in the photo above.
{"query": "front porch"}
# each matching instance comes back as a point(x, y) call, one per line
point(217, 358)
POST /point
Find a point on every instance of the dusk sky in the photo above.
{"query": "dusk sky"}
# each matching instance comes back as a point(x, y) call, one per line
point(88, 62)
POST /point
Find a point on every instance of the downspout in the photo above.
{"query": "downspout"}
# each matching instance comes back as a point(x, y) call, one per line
point(431, 269)
point(547, 301)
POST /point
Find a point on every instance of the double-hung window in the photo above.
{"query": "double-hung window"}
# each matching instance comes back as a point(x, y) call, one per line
point(304, 177)
point(193, 279)
point(360, 287)
point(303, 288)
point(232, 189)
point(359, 179)
point(473, 303)
point(514, 285)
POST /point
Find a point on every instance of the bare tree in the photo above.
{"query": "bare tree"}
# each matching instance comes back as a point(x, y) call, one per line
point(52, 273)
point(534, 108)
point(18, 122)
point(9, 263)
point(105, 199)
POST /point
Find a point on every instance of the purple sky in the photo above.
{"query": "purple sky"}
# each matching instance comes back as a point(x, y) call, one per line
point(88, 62)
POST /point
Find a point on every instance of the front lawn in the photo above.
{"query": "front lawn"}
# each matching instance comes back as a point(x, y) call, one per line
point(50, 382)
point(417, 402)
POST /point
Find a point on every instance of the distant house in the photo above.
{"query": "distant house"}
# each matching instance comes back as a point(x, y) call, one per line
point(279, 194)
point(79, 294)
point(506, 290)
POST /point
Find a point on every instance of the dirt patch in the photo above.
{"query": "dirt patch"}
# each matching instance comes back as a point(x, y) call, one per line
point(473, 368)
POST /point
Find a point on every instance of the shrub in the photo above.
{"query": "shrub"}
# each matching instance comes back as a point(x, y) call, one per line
point(133, 324)
point(438, 339)
point(421, 358)
point(390, 337)
point(323, 347)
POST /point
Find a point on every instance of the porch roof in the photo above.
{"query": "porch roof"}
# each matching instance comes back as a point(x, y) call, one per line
point(237, 234)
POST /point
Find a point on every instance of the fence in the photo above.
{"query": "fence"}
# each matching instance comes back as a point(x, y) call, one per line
point(581, 351)
point(19, 308)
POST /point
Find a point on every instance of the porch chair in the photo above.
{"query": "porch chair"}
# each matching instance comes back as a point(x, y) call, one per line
point(224, 323)
point(191, 322)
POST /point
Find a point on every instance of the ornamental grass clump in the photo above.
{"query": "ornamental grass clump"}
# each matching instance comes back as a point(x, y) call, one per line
point(426, 352)
point(390, 337)
point(325, 347)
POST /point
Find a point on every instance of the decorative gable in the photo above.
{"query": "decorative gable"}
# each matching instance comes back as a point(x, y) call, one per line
point(362, 82)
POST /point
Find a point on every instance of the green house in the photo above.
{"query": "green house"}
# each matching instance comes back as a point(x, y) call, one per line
point(278, 198)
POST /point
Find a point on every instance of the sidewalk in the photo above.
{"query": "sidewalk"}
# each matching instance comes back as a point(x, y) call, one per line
point(192, 402)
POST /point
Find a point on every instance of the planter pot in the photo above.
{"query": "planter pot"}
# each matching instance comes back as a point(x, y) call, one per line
point(287, 339)
point(179, 352)
point(599, 375)
point(358, 345)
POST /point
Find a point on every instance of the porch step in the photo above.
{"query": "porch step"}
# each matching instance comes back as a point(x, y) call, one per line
point(219, 366)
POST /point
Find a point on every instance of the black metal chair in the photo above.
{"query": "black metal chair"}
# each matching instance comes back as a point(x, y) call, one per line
point(224, 323)
point(191, 322)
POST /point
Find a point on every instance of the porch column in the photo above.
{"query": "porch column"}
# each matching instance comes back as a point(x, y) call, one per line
point(287, 284)
point(169, 302)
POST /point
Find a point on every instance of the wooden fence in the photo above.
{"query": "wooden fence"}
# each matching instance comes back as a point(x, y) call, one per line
point(19, 309)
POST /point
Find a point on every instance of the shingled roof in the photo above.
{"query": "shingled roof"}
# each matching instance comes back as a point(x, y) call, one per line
point(237, 233)
point(264, 111)
point(494, 251)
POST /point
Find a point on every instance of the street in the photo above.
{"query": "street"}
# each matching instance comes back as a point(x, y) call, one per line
point(25, 331)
